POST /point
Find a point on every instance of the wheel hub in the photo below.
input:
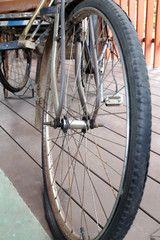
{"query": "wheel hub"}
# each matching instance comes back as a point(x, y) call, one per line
point(73, 124)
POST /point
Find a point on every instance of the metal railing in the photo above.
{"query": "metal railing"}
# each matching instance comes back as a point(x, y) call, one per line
point(145, 15)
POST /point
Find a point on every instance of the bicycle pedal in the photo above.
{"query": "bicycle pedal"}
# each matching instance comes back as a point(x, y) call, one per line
point(114, 100)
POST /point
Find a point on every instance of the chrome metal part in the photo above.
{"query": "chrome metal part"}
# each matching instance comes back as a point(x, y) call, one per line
point(78, 77)
point(101, 72)
point(63, 50)
point(114, 100)
point(16, 15)
point(73, 124)
point(103, 52)
point(77, 124)
point(66, 124)
point(53, 62)
point(51, 2)
point(96, 71)
point(58, 100)
point(102, 88)
point(36, 30)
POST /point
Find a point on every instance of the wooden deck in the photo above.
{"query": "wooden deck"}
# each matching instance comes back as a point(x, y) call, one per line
point(20, 148)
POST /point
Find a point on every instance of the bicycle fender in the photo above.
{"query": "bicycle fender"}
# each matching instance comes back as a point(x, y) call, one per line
point(70, 5)
point(73, 3)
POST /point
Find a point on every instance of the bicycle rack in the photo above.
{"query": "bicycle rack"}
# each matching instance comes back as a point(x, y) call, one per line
point(20, 20)
point(17, 20)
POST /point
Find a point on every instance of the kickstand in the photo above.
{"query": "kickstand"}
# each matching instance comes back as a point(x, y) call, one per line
point(5, 92)
point(22, 93)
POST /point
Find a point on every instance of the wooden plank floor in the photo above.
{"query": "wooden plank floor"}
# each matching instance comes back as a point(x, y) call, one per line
point(20, 148)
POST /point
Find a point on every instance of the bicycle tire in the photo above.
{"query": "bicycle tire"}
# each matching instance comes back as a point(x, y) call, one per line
point(70, 211)
point(15, 69)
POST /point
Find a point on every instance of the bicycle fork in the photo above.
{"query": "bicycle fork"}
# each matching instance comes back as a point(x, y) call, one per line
point(58, 100)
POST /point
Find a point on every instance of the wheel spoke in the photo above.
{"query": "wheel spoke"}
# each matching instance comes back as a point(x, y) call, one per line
point(86, 166)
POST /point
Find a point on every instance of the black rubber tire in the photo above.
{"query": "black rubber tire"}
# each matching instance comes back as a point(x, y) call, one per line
point(140, 125)
point(12, 88)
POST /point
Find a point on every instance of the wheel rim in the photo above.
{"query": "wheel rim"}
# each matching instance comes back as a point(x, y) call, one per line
point(85, 170)
point(15, 67)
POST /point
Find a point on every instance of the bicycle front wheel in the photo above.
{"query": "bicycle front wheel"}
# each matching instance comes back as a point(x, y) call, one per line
point(95, 160)
point(15, 69)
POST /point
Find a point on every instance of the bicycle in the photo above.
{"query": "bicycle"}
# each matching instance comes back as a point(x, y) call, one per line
point(15, 60)
point(96, 123)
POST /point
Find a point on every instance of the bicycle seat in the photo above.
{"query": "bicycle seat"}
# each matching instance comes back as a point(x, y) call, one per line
point(8, 6)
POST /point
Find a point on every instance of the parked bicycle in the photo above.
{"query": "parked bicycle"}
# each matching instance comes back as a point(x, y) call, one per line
point(96, 115)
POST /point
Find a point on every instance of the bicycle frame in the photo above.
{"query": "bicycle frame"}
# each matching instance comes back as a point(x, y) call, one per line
point(58, 101)
point(22, 39)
